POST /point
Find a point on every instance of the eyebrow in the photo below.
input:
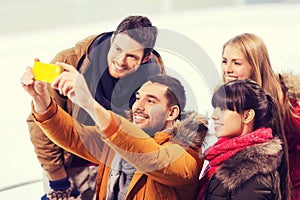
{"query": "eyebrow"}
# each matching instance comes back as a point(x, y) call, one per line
point(234, 59)
point(149, 95)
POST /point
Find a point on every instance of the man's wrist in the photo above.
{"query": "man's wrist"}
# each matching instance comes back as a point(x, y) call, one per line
point(41, 105)
point(47, 114)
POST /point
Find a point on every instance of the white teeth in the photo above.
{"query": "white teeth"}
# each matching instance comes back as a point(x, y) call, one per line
point(139, 117)
point(119, 67)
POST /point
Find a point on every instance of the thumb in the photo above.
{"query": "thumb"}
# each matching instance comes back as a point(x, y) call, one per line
point(66, 67)
point(40, 87)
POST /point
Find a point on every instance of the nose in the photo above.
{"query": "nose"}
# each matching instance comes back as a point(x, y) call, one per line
point(121, 59)
point(215, 114)
point(138, 105)
point(227, 67)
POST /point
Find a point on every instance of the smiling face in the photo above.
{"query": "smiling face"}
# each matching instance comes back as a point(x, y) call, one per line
point(234, 64)
point(125, 55)
point(150, 110)
point(227, 123)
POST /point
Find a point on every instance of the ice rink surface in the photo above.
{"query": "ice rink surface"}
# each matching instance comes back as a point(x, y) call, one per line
point(204, 29)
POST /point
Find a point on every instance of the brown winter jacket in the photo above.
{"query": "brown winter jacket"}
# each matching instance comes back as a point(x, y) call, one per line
point(51, 156)
point(168, 165)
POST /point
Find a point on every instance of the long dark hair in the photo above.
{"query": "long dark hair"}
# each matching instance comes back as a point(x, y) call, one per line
point(242, 95)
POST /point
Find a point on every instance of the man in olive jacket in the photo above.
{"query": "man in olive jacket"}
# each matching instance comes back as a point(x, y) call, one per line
point(114, 65)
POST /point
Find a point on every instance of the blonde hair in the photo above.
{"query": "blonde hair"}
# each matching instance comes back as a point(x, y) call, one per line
point(255, 51)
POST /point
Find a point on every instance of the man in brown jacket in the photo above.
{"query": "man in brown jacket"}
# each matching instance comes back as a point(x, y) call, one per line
point(114, 65)
point(161, 163)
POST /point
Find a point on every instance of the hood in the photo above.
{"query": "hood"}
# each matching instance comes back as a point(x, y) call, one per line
point(190, 131)
point(258, 159)
point(291, 85)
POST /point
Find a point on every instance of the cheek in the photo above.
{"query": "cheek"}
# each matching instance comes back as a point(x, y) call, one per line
point(134, 65)
point(157, 112)
point(245, 72)
point(232, 127)
point(109, 57)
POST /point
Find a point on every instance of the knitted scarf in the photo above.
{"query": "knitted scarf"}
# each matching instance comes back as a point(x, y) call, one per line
point(225, 148)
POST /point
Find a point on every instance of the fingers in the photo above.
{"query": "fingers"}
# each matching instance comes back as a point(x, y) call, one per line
point(71, 94)
point(32, 87)
point(66, 88)
point(66, 67)
point(65, 81)
point(27, 78)
point(40, 87)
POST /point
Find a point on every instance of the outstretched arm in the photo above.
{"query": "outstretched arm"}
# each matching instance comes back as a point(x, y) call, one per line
point(73, 85)
point(44, 110)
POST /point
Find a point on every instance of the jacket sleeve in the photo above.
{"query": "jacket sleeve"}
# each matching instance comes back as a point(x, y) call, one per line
point(169, 164)
point(69, 134)
point(51, 156)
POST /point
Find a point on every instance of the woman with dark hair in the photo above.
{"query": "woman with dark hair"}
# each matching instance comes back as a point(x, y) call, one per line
point(249, 160)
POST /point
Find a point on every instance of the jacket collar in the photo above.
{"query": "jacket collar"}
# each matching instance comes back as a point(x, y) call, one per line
point(291, 85)
point(188, 132)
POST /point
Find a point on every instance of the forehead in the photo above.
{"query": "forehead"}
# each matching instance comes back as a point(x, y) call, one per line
point(154, 89)
point(126, 43)
point(233, 51)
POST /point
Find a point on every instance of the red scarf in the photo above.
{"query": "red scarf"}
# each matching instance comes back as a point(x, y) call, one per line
point(224, 148)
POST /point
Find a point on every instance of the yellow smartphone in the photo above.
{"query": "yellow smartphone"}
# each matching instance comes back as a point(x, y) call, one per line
point(45, 72)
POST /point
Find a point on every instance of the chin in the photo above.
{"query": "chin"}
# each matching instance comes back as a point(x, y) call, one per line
point(115, 74)
point(230, 79)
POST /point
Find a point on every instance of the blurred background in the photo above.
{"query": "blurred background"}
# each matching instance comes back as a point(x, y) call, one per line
point(195, 30)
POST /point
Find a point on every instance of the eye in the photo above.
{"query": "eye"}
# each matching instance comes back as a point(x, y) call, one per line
point(137, 97)
point(237, 63)
point(131, 56)
point(224, 61)
point(151, 100)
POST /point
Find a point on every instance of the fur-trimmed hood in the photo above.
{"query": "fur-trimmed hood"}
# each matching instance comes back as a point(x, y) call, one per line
point(291, 85)
point(262, 159)
point(190, 131)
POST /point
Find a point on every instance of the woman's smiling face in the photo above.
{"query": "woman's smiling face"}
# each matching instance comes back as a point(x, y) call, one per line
point(235, 64)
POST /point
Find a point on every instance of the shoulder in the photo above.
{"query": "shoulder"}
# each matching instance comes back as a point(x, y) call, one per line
point(290, 83)
point(262, 159)
point(73, 54)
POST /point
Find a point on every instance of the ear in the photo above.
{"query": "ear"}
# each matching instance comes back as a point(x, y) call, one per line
point(249, 116)
point(147, 58)
point(173, 113)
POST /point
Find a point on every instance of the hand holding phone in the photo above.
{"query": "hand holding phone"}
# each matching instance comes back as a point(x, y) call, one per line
point(45, 72)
